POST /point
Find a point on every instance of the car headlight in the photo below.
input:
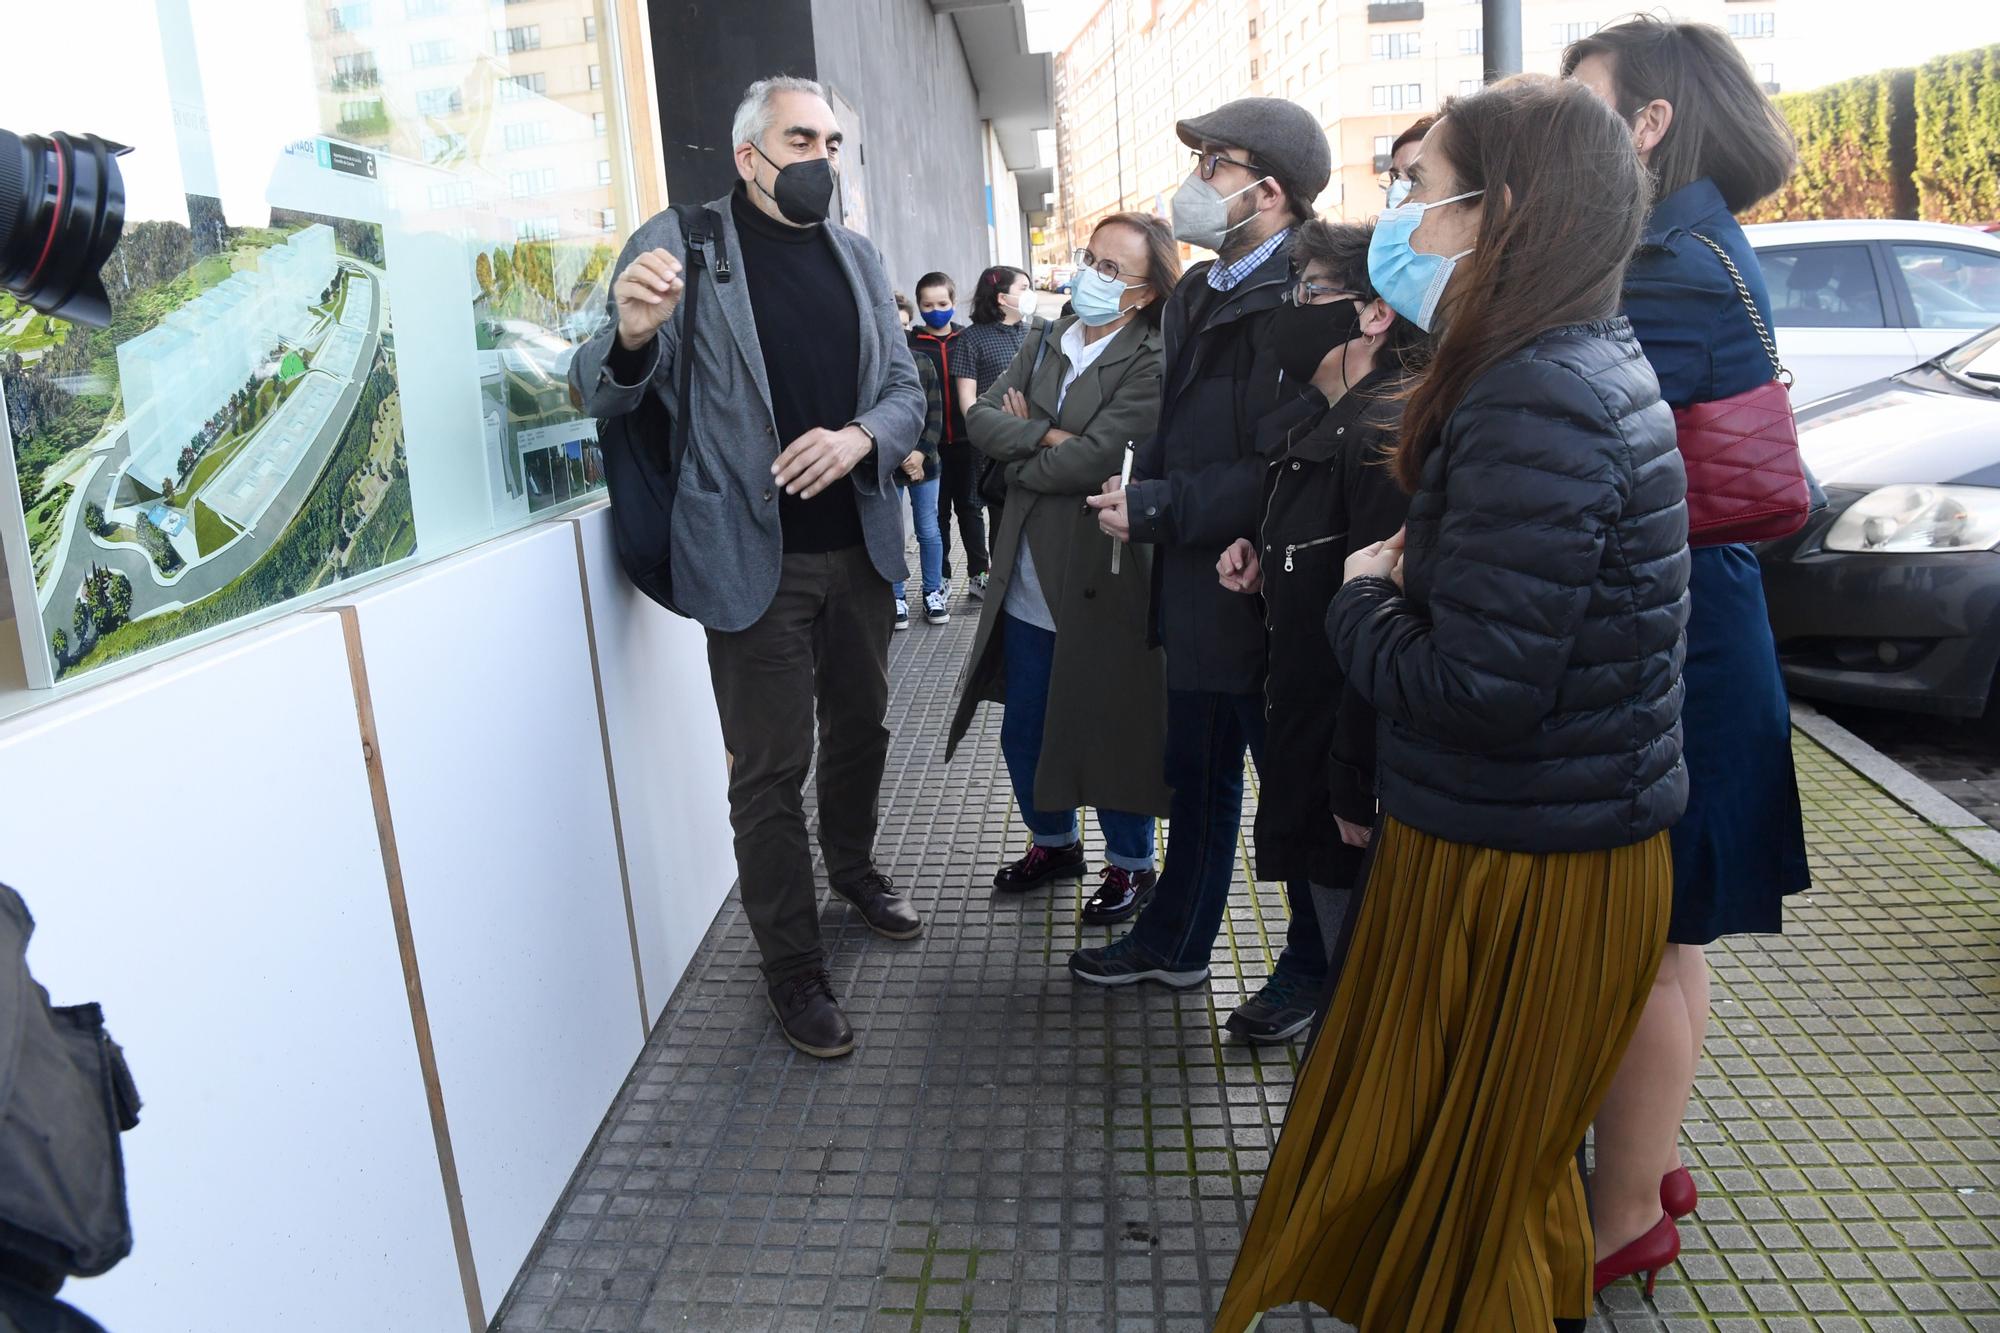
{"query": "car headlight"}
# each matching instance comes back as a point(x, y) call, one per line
point(1935, 519)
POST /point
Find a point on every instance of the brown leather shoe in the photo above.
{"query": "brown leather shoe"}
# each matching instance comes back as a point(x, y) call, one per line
point(1120, 894)
point(885, 909)
point(809, 1016)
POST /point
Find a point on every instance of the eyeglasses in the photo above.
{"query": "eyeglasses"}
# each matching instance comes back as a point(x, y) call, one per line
point(1107, 269)
point(1206, 163)
point(1313, 293)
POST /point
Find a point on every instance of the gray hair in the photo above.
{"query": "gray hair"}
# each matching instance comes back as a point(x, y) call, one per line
point(754, 114)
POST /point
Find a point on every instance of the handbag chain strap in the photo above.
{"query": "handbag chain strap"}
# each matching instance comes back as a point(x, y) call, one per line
point(1783, 376)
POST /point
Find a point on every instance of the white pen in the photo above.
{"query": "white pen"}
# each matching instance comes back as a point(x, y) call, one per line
point(1124, 480)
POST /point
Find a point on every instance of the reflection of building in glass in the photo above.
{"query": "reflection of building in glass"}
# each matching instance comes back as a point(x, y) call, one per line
point(1366, 70)
point(176, 375)
point(515, 96)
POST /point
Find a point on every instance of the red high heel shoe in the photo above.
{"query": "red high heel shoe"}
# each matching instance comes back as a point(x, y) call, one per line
point(1647, 1255)
point(1677, 1193)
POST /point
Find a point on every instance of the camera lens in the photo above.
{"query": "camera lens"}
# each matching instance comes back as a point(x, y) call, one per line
point(62, 205)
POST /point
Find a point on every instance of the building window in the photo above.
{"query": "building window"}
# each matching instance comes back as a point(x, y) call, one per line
point(597, 123)
point(1253, 69)
point(440, 102)
point(1253, 30)
point(1467, 87)
point(438, 147)
point(597, 76)
point(1395, 46)
point(1396, 96)
point(349, 18)
point(607, 219)
point(590, 28)
point(363, 116)
point(527, 134)
point(355, 71)
point(525, 183)
point(1764, 24)
point(1385, 149)
point(457, 194)
point(537, 229)
point(603, 172)
point(1565, 34)
point(424, 9)
point(440, 52)
point(528, 38)
point(1472, 41)
point(517, 86)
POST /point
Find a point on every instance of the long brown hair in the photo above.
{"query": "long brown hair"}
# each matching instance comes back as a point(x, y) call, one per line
point(1725, 127)
point(1565, 200)
point(1163, 259)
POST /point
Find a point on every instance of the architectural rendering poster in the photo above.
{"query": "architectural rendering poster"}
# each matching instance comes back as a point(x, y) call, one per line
point(231, 442)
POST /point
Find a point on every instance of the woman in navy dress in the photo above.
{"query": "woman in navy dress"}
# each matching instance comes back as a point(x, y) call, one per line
point(1715, 146)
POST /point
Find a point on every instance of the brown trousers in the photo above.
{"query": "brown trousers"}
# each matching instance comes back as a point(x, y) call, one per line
point(821, 651)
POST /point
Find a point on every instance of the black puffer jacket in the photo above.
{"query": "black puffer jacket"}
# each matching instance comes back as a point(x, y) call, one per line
point(1529, 676)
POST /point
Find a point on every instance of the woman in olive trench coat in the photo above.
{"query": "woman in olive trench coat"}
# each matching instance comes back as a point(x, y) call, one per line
point(1104, 733)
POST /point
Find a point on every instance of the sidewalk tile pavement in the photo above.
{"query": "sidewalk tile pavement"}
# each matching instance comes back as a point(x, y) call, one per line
point(1009, 1151)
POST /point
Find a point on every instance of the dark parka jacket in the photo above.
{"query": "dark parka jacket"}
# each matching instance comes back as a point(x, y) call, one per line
point(1528, 675)
point(1196, 483)
point(1107, 716)
point(1328, 492)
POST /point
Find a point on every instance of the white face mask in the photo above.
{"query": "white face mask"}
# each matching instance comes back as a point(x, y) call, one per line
point(1201, 215)
point(1025, 303)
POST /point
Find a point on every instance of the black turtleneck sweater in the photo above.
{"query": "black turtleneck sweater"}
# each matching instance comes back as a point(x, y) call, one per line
point(810, 330)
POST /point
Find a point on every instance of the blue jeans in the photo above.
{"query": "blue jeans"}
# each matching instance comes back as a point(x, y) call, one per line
point(1029, 654)
point(923, 500)
point(1206, 736)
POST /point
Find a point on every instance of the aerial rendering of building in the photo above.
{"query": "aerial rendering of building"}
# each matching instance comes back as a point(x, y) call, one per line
point(176, 375)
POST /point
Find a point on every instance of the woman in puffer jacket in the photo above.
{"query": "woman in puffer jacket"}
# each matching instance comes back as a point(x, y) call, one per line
point(1522, 647)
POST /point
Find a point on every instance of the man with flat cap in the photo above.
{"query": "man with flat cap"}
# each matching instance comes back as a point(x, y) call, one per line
point(1258, 165)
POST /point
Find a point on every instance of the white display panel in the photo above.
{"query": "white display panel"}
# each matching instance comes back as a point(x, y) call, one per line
point(199, 850)
point(494, 764)
point(672, 770)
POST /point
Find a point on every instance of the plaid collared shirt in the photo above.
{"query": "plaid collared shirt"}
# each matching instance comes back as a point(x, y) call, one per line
point(1225, 278)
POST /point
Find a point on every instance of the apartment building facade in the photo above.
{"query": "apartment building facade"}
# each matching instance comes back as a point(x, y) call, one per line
point(1365, 70)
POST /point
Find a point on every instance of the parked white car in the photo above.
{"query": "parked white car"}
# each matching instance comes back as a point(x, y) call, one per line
point(1855, 301)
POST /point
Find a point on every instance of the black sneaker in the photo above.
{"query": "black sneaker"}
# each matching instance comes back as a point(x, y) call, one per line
point(809, 1016)
point(1124, 962)
point(1120, 894)
point(887, 912)
point(1277, 1013)
point(1041, 865)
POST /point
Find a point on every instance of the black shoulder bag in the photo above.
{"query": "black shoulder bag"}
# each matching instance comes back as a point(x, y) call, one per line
point(641, 476)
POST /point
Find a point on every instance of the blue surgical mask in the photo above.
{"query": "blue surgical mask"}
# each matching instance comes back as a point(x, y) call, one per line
point(937, 319)
point(1096, 299)
point(1412, 283)
point(1399, 190)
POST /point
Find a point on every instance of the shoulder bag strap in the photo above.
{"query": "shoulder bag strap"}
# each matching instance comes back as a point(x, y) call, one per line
point(1779, 372)
point(698, 225)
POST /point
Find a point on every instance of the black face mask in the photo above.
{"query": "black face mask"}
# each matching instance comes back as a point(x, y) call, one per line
point(1304, 334)
point(804, 190)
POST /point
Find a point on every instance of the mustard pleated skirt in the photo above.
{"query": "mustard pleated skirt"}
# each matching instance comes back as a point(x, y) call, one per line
point(1426, 1177)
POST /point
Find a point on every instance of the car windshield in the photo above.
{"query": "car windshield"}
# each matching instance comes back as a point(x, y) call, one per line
point(1977, 361)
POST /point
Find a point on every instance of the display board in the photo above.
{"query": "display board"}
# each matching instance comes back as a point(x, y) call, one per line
point(362, 243)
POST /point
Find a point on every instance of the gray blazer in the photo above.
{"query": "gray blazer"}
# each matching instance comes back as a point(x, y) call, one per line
point(727, 542)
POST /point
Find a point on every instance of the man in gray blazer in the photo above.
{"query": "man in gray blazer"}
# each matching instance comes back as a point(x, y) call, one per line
point(787, 531)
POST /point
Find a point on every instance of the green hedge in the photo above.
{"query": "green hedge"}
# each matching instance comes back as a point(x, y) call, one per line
point(1958, 137)
point(1856, 152)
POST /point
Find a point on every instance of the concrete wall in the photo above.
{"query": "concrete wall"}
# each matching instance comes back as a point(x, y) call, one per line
point(902, 70)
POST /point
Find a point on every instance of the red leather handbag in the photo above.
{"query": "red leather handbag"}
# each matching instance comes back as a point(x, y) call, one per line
point(1745, 479)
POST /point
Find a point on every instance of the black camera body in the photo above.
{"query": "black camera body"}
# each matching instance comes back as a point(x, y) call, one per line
point(62, 206)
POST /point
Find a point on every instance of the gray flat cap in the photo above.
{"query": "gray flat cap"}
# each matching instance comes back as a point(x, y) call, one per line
point(1281, 135)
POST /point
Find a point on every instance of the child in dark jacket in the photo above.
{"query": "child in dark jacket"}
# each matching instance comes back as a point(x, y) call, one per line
point(918, 478)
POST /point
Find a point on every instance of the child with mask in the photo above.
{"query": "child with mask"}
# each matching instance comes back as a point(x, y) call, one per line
point(1345, 359)
point(935, 337)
